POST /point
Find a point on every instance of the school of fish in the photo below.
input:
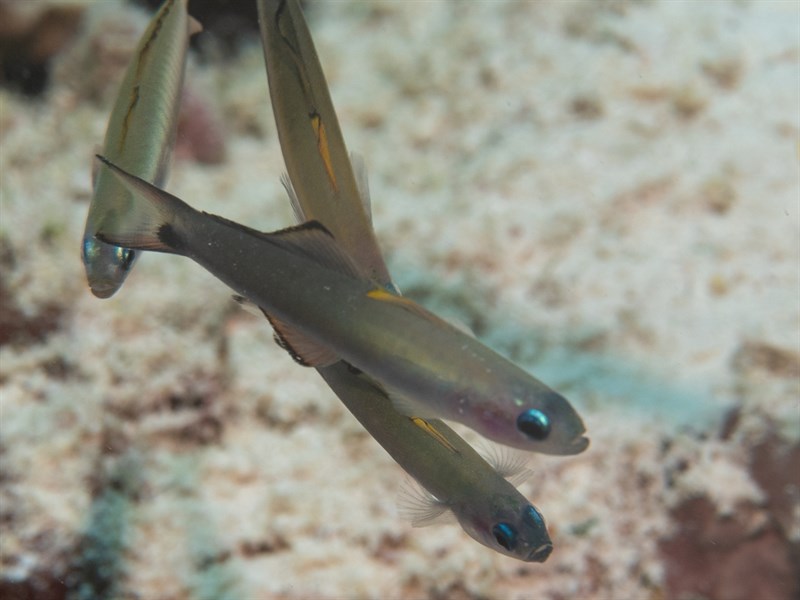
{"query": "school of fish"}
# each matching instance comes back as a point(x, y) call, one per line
point(324, 286)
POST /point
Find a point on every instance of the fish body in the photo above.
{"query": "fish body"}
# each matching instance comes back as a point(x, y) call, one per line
point(139, 136)
point(314, 151)
point(459, 481)
point(326, 310)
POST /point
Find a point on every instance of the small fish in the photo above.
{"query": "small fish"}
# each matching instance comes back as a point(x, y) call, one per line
point(460, 484)
point(325, 309)
point(316, 157)
point(458, 481)
point(140, 136)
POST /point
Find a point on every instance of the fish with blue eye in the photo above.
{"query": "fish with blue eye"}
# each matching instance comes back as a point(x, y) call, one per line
point(324, 309)
point(515, 531)
point(324, 186)
point(322, 183)
point(457, 483)
point(139, 136)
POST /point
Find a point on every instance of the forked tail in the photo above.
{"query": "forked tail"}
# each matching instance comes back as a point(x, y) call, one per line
point(149, 223)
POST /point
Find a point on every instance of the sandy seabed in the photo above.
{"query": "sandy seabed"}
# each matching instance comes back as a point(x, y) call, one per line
point(606, 192)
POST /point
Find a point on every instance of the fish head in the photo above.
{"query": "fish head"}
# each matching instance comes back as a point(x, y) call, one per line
point(511, 526)
point(106, 266)
point(548, 423)
point(532, 418)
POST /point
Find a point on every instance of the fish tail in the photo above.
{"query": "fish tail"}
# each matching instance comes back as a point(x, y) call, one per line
point(149, 222)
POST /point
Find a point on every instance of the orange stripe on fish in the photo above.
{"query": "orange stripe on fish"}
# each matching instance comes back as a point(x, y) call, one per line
point(324, 150)
point(431, 431)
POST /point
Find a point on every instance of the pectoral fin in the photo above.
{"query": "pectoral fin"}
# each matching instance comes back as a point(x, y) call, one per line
point(297, 208)
point(421, 507)
point(511, 464)
point(362, 183)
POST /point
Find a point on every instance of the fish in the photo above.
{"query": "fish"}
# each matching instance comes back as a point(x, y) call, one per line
point(317, 162)
point(140, 136)
point(325, 309)
point(456, 480)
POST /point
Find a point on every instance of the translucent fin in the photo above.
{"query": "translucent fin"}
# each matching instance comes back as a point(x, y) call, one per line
point(394, 288)
point(148, 222)
point(194, 26)
point(313, 241)
point(297, 209)
point(247, 305)
point(511, 464)
point(362, 183)
point(420, 507)
point(461, 326)
point(304, 350)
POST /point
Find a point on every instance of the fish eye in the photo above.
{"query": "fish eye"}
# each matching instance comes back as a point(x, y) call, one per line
point(126, 256)
point(534, 516)
point(534, 423)
point(505, 535)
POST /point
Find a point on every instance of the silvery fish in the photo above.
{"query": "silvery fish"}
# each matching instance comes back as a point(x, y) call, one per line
point(140, 136)
point(460, 484)
point(316, 158)
point(326, 309)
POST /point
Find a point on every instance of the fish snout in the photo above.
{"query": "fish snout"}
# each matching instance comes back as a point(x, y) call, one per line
point(541, 553)
point(103, 289)
point(578, 445)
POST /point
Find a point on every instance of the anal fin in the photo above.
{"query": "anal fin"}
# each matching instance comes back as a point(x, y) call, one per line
point(304, 350)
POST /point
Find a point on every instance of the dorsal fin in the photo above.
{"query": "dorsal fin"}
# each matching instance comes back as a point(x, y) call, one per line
point(312, 240)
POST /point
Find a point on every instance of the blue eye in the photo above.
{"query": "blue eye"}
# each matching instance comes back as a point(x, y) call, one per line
point(505, 535)
point(534, 516)
point(534, 423)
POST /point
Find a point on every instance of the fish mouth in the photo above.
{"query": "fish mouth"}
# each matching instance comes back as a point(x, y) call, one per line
point(541, 553)
point(103, 290)
point(578, 445)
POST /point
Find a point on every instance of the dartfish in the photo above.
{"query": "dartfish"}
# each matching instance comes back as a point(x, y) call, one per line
point(140, 136)
point(314, 151)
point(459, 482)
point(325, 309)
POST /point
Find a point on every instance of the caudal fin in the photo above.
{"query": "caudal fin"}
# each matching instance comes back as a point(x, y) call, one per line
point(148, 222)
